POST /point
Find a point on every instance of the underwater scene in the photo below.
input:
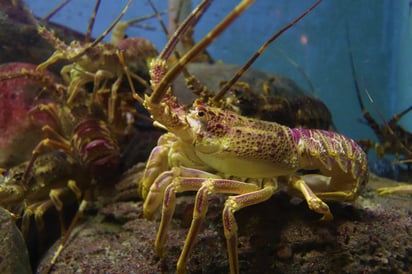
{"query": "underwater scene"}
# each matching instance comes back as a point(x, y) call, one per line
point(237, 136)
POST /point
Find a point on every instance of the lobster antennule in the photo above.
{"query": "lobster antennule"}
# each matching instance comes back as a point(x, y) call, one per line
point(158, 66)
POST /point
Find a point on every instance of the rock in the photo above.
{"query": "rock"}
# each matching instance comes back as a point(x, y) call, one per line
point(18, 95)
point(14, 257)
point(279, 236)
point(259, 94)
point(211, 75)
point(18, 29)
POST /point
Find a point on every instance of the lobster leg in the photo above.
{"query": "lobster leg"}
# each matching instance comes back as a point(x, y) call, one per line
point(57, 55)
point(56, 196)
point(233, 204)
point(318, 183)
point(59, 142)
point(314, 202)
point(45, 143)
point(79, 213)
point(37, 210)
point(188, 180)
point(65, 73)
point(156, 164)
point(205, 187)
point(209, 186)
point(169, 204)
point(157, 190)
point(76, 85)
point(402, 189)
point(113, 98)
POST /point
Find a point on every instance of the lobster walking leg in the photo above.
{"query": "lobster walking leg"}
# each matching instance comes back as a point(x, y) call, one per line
point(209, 186)
point(169, 204)
point(191, 182)
point(314, 202)
point(37, 210)
point(57, 196)
point(402, 189)
point(156, 164)
point(158, 188)
point(233, 204)
point(249, 194)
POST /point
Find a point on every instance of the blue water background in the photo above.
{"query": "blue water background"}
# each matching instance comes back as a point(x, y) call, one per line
point(380, 32)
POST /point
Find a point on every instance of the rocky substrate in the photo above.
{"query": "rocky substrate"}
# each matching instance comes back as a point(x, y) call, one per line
point(14, 257)
point(282, 235)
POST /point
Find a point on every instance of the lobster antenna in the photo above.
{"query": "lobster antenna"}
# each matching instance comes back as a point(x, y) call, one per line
point(373, 124)
point(353, 69)
point(161, 87)
point(91, 21)
point(252, 59)
point(390, 130)
point(378, 110)
point(300, 69)
point(357, 87)
point(189, 21)
point(159, 18)
point(399, 115)
point(55, 10)
point(178, 15)
point(104, 34)
point(164, 28)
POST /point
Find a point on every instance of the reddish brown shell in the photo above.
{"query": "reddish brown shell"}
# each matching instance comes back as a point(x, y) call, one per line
point(17, 96)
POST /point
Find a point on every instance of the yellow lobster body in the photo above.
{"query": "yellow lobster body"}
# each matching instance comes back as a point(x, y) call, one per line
point(225, 143)
point(249, 148)
point(211, 150)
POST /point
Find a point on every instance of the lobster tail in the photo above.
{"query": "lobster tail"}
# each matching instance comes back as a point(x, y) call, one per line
point(97, 148)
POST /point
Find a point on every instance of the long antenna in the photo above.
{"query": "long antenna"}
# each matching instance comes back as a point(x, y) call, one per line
point(370, 120)
point(252, 59)
point(300, 69)
point(55, 10)
point(91, 21)
point(104, 34)
point(189, 21)
point(161, 87)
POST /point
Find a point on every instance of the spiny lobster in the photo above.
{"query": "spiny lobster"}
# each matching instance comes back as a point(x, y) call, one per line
point(210, 150)
point(99, 62)
point(393, 138)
